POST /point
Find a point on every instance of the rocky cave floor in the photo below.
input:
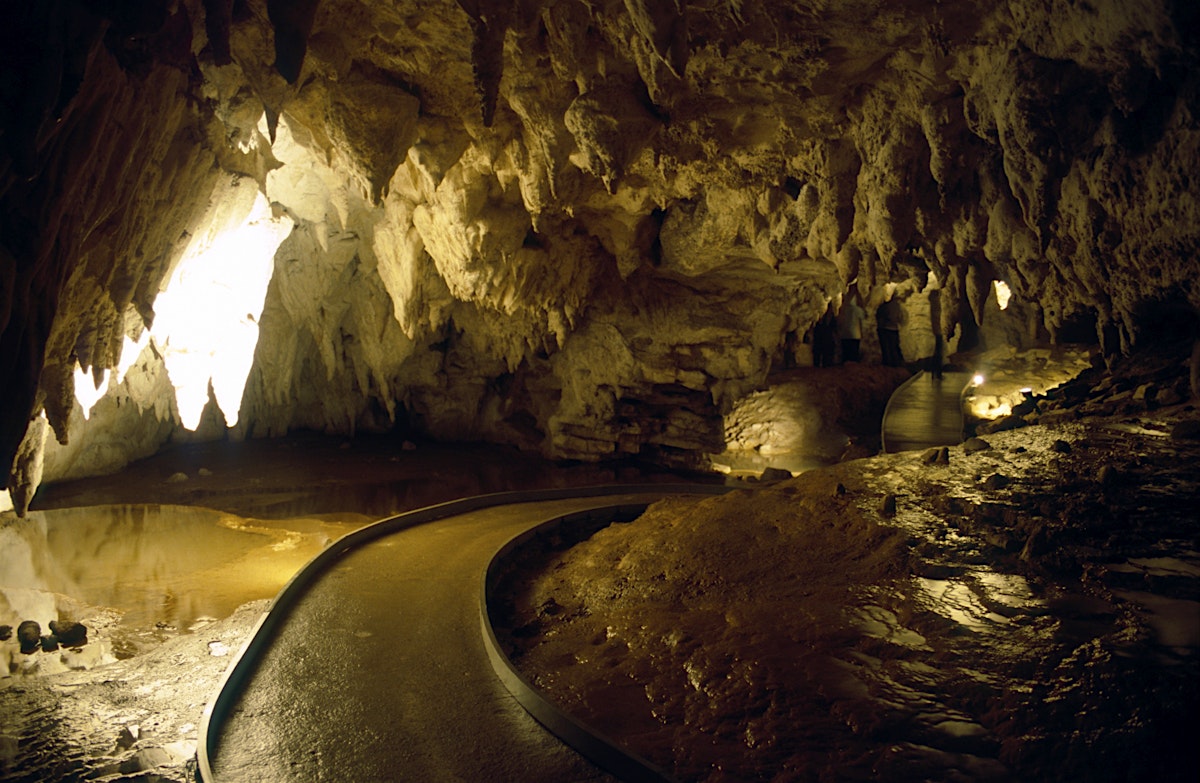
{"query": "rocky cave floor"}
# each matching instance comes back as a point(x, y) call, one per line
point(1028, 610)
point(1020, 607)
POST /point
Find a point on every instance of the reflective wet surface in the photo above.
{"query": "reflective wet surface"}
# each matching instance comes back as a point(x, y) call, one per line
point(171, 562)
point(136, 575)
point(404, 608)
point(1041, 627)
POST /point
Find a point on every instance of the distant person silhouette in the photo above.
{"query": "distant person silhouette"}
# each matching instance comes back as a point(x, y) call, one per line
point(825, 339)
point(938, 361)
point(850, 325)
point(888, 319)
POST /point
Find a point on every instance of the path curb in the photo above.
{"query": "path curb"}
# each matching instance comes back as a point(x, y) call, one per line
point(590, 743)
point(261, 635)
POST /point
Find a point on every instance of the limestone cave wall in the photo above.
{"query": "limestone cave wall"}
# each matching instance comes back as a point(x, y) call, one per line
point(585, 227)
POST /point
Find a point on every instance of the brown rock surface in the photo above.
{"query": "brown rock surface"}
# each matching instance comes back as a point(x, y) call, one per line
point(1030, 629)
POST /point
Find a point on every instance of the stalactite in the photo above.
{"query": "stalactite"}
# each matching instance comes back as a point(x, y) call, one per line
point(489, 24)
point(293, 21)
point(218, 18)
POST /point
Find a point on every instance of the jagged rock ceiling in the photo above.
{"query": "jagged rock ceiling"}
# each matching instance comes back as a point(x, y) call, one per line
point(581, 226)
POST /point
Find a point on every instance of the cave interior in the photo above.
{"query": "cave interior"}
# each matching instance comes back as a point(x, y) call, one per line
point(586, 230)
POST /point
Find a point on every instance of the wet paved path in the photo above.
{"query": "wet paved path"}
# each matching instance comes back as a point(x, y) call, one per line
point(925, 412)
point(378, 671)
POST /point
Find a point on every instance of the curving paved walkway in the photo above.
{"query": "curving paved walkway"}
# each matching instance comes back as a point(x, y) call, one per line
point(372, 666)
point(924, 412)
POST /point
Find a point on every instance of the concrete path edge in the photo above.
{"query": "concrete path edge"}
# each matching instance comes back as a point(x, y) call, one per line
point(262, 634)
point(588, 742)
point(887, 409)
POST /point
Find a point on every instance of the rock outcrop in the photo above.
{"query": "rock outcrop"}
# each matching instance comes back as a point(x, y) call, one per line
point(586, 228)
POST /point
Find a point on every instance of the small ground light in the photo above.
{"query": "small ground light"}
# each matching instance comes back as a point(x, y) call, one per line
point(977, 379)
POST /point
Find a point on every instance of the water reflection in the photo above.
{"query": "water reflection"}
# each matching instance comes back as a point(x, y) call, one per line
point(981, 600)
point(126, 569)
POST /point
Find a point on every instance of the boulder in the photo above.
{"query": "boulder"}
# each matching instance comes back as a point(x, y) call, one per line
point(775, 474)
point(69, 632)
point(29, 634)
point(996, 481)
point(1010, 422)
point(1188, 429)
point(975, 445)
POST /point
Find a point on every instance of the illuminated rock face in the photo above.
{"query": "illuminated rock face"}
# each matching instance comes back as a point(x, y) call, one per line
point(585, 227)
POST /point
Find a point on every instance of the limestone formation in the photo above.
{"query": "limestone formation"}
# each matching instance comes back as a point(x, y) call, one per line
point(582, 227)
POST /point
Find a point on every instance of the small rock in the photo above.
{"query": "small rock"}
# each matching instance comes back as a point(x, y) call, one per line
point(177, 478)
point(1107, 476)
point(997, 481)
point(218, 649)
point(128, 736)
point(974, 445)
point(1061, 446)
point(5, 633)
point(1035, 545)
point(888, 506)
point(69, 632)
point(1188, 429)
point(1001, 540)
point(1026, 406)
point(929, 456)
point(49, 643)
point(29, 634)
point(1051, 418)
point(840, 489)
point(1168, 396)
point(775, 474)
point(1004, 423)
point(146, 760)
point(205, 472)
point(930, 570)
point(408, 445)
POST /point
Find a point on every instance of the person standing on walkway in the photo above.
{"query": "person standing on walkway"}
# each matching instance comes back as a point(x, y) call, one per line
point(851, 319)
point(888, 320)
point(825, 339)
point(938, 360)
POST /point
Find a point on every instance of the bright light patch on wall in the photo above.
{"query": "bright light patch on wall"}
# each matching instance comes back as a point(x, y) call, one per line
point(1003, 293)
point(206, 321)
point(130, 351)
point(86, 391)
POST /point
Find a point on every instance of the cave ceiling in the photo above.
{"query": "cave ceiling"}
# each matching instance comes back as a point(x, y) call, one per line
point(581, 226)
